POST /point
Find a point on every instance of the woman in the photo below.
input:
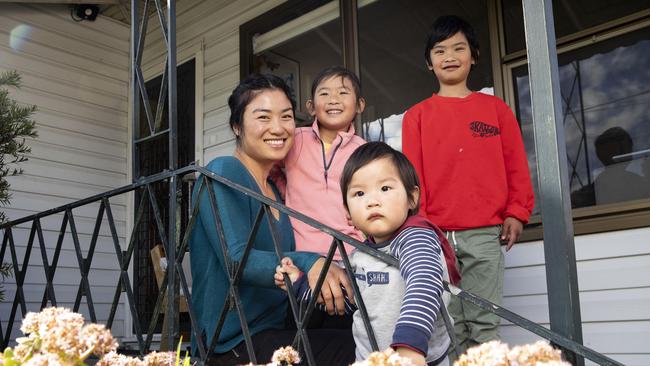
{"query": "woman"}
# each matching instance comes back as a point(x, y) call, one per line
point(262, 119)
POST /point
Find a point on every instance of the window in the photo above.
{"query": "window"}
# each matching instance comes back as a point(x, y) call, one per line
point(394, 74)
point(605, 94)
point(570, 17)
point(603, 74)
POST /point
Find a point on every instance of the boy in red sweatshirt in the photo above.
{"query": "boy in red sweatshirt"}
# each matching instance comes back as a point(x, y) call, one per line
point(475, 184)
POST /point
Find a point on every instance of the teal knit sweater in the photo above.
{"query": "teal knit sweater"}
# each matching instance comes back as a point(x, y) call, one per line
point(264, 304)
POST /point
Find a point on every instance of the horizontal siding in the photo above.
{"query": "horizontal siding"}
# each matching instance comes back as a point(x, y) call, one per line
point(218, 135)
point(38, 203)
point(102, 310)
point(85, 224)
point(76, 73)
point(626, 342)
point(225, 149)
point(87, 127)
point(67, 172)
point(103, 32)
point(217, 117)
point(32, 65)
point(218, 99)
point(596, 306)
point(614, 282)
point(97, 109)
point(80, 141)
point(104, 244)
point(48, 51)
point(78, 156)
point(72, 276)
point(47, 186)
point(104, 257)
point(40, 33)
point(223, 54)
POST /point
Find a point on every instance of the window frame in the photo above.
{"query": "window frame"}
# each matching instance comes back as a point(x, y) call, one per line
point(265, 22)
point(598, 218)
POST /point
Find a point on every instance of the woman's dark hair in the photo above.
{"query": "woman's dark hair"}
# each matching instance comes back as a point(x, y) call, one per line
point(247, 90)
point(335, 71)
point(445, 27)
point(372, 151)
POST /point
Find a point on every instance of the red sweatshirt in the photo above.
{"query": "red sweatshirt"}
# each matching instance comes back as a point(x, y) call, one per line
point(471, 161)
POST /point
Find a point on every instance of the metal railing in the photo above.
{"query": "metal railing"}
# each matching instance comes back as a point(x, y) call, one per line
point(177, 247)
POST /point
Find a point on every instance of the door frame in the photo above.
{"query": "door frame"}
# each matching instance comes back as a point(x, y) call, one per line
point(150, 70)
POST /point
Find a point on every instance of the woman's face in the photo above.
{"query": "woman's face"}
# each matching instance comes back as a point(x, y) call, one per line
point(267, 128)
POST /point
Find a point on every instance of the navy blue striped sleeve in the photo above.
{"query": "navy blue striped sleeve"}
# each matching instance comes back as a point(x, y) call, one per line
point(419, 252)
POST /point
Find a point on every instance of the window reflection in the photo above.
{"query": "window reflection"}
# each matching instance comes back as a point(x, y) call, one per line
point(569, 17)
point(605, 92)
point(394, 75)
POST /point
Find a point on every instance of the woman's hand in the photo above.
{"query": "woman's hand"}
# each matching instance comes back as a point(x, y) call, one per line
point(331, 294)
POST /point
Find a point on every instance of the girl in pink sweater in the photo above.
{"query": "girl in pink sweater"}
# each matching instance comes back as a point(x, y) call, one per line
point(314, 165)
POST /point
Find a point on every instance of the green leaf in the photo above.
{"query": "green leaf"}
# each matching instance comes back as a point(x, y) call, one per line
point(178, 352)
point(7, 358)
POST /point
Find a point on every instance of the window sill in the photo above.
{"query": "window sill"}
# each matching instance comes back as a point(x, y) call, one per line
point(598, 219)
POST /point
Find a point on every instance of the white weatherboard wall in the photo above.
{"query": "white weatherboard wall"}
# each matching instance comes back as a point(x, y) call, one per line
point(77, 74)
point(215, 23)
point(614, 282)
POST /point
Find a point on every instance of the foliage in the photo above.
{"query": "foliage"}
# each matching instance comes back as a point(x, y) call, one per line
point(186, 359)
point(15, 125)
point(5, 271)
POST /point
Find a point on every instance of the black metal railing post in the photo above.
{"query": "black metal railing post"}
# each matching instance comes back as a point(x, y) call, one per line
point(174, 206)
point(554, 188)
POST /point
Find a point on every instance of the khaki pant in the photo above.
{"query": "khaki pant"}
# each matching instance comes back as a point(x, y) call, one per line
point(480, 260)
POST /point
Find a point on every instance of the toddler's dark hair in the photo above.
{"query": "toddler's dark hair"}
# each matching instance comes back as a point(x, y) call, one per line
point(445, 27)
point(247, 90)
point(366, 154)
point(335, 71)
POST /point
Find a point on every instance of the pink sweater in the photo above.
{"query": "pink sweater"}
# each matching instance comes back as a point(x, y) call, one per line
point(313, 186)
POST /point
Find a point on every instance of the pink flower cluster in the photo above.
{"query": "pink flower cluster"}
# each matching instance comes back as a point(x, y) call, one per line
point(492, 353)
point(152, 359)
point(495, 353)
point(58, 337)
point(288, 356)
point(282, 356)
point(386, 358)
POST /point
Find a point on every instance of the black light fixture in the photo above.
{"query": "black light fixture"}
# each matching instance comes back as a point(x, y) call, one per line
point(85, 12)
